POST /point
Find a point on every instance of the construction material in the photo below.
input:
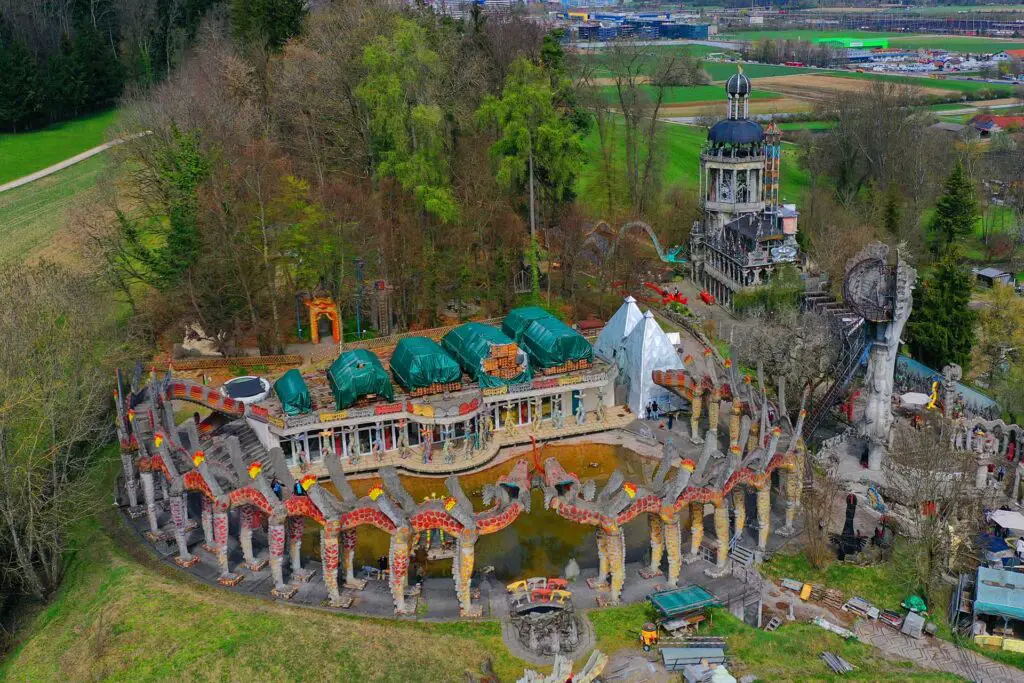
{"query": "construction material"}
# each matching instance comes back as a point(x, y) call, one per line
point(773, 624)
point(913, 625)
point(487, 355)
point(829, 626)
point(675, 658)
point(833, 598)
point(890, 618)
point(357, 374)
point(421, 366)
point(862, 607)
point(680, 602)
point(793, 585)
point(836, 663)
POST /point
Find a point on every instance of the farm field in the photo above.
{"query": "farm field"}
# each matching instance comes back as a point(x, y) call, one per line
point(942, 84)
point(31, 215)
point(25, 153)
point(816, 86)
point(693, 93)
point(904, 40)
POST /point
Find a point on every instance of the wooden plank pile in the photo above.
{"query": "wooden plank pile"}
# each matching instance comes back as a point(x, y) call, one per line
point(436, 388)
point(832, 598)
point(836, 663)
point(503, 361)
point(570, 366)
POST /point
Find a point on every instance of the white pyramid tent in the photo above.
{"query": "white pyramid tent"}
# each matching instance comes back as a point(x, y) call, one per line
point(612, 340)
point(648, 349)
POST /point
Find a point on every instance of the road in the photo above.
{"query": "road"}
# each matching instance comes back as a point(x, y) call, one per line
point(60, 166)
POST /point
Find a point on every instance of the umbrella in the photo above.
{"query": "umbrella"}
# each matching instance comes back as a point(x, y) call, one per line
point(1008, 519)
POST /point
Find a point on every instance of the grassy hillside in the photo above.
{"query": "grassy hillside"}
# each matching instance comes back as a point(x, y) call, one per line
point(24, 153)
point(32, 214)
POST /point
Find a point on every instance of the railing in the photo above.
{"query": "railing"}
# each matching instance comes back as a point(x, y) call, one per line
point(390, 341)
point(852, 359)
point(236, 361)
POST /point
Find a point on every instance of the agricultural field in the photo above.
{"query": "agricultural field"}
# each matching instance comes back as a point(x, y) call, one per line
point(25, 153)
point(33, 214)
point(903, 40)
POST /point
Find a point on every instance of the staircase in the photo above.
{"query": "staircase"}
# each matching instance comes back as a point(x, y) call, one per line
point(252, 450)
point(742, 555)
point(849, 363)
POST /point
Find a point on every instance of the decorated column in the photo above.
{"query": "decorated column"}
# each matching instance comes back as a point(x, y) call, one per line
point(207, 520)
point(615, 551)
point(722, 534)
point(739, 506)
point(716, 396)
point(673, 546)
point(734, 422)
point(250, 520)
point(184, 558)
point(462, 568)
point(275, 534)
point(398, 561)
point(149, 495)
point(329, 560)
point(752, 440)
point(296, 527)
point(220, 537)
point(131, 485)
point(695, 406)
point(696, 531)
point(792, 485)
point(657, 531)
point(764, 510)
point(348, 553)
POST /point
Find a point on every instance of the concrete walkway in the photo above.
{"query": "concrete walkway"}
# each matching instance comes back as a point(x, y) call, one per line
point(60, 166)
point(934, 653)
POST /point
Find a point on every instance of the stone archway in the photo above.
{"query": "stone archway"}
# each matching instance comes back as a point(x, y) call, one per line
point(320, 307)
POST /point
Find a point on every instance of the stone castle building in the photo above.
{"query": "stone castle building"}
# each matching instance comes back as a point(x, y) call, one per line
point(746, 233)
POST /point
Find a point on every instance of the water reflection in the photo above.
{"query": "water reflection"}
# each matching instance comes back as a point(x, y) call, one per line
point(538, 543)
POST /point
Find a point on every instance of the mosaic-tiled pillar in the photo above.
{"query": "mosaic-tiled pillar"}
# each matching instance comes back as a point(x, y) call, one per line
point(275, 534)
point(764, 509)
point(184, 558)
point(602, 558)
point(696, 530)
point(398, 561)
point(716, 396)
point(348, 554)
point(163, 487)
point(753, 442)
point(657, 530)
point(296, 527)
point(695, 406)
point(673, 546)
point(734, 423)
point(220, 540)
point(739, 506)
point(722, 532)
point(615, 550)
point(245, 527)
point(131, 485)
point(329, 560)
point(791, 486)
point(462, 569)
point(149, 495)
point(207, 522)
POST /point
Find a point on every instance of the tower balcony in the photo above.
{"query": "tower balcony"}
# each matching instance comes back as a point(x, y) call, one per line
point(733, 207)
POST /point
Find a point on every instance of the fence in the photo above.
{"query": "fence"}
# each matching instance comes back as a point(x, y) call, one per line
point(235, 362)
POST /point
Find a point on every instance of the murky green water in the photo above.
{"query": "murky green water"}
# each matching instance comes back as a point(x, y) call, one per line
point(538, 543)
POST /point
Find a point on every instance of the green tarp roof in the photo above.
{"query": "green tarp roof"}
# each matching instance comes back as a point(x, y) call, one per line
point(291, 389)
point(358, 373)
point(418, 362)
point(999, 593)
point(471, 343)
point(677, 601)
point(548, 341)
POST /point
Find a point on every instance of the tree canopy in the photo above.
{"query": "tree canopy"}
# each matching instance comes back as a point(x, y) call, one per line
point(942, 325)
point(956, 210)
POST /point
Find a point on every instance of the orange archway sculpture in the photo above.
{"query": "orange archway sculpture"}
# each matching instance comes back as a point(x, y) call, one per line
point(319, 307)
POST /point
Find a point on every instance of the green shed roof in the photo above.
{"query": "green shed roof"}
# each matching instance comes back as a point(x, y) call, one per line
point(418, 362)
point(291, 389)
point(471, 343)
point(358, 373)
point(685, 600)
point(548, 341)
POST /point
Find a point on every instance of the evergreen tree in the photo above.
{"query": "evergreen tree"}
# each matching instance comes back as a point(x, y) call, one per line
point(100, 67)
point(955, 212)
point(65, 85)
point(942, 326)
point(269, 22)
point(20, 93)
point(892, 214)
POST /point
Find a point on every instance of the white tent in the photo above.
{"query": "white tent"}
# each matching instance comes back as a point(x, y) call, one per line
point(611, 342)
point(648, 349)
point(1008, 519)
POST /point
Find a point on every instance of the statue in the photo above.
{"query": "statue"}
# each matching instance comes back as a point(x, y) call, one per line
point(510, 421)
point(403, 439)
point(446, 451)
point(557, 419)
point(427, 436)
point(581, 414)
point(572, 570)
point(849, 542)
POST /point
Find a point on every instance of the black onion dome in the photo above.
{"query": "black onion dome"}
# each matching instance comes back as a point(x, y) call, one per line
point(736, 132)
point(738, 84)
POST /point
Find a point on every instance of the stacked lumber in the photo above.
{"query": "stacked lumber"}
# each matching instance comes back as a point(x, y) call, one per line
point(503, 361)
point(570, 366)
point(836, 663)
point(436, 388)
point(833, 598)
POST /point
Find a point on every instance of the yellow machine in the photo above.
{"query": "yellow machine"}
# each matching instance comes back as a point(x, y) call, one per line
point(934, 397)
point(648, 636)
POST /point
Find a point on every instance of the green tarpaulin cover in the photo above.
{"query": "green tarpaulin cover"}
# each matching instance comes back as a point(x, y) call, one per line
point(291, 389)
point(471, 343)
point(548, 341)
point(418, 362)
point(358, 373)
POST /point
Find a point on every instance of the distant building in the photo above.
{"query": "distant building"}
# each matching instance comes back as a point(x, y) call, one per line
point(989, 124)
point(1008, 55)
point(993, 276)
point(746, 233)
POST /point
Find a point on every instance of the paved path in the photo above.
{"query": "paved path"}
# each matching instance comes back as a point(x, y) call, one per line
point(934, 653)
point(60, 166)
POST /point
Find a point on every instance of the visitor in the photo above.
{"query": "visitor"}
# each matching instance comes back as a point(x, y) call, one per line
point(671, 420)
point(196, 418)
point(299, 491)
point(654, 407)
point(864, 459)
point(1000, 473)
point(275, 486)
point(382, 566)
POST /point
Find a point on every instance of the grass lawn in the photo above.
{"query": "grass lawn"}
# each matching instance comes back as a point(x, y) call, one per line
point(966, 87)
point(689, 93)
point(789, 654)
point(807, 125)
point(32, 214)
point(25, 153)
point(909, 41)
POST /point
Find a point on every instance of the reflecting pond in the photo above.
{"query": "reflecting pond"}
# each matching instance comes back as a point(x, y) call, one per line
point(538, 543)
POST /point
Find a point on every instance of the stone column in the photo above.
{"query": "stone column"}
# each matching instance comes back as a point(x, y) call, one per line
point(764, 510)
point(275, 534)
point(296, 527)
point(149, 494)
point(184, 558)
point(163, 486)
point(207, 520)
point(329, 560)
point(245, 524)
point(673, 546)
point(981, 477)
point(398, 561)
point(657, 531)
point(696, 531)
point(130, 483)
point(791, 486)
point(1016, 483)
point(695, 406)
point(220, 537)
point(734, 421)
point(753, 442)
point(716, 395)
point(348, 547)
point(722, 533)
point(602, 558)
point(616, 552)
point(462, 568)
point(739, 506)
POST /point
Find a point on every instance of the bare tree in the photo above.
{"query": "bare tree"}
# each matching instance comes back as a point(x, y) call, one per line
point(818, 504)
